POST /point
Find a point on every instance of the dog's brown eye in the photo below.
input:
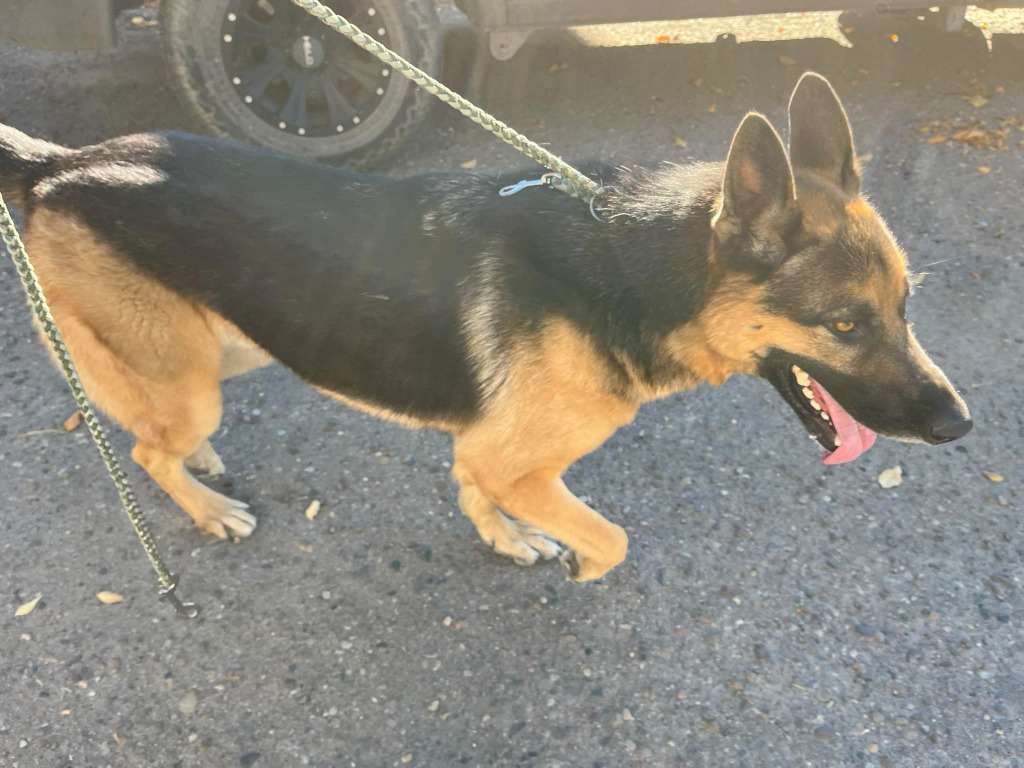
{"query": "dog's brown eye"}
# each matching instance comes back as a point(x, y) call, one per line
point(844, 326)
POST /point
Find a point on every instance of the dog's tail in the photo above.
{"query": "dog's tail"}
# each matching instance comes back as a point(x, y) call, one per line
point(23, 161)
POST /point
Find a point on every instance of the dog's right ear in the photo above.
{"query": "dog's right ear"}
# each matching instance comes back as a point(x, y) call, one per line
point(758, 199)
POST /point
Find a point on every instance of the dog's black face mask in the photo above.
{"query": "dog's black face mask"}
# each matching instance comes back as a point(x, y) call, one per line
point(826, 286)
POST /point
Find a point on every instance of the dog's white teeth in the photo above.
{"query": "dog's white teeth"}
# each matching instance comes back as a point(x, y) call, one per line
point(801, 376)
point(815, 405)
point(808, 394)
point(838, 442)
point(811, 436)
point(825, 416)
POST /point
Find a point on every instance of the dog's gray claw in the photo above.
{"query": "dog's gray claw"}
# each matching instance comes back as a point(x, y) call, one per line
point(570, 564)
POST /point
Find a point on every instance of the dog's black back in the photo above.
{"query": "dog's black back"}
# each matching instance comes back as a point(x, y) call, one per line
point(358, 282)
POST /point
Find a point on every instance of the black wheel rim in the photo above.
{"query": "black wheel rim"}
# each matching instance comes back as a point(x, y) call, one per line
point(296, 74)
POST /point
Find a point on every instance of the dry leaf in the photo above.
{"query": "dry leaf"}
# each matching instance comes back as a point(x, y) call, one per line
point(890, 478)
point(977, 100)
point(121, 740)
point(26, 608)
point(936, 139)
point(983, 169)
point(787, 61)
point(313, 509)
point(72, 421)
point(468, 164)
point(696, 82)
point(302, 547)
point(863, 71)
point(712, 108)
point(678, 142)
point(975, 275)
point(995, 477)
point(65, 712)
point(109, 598)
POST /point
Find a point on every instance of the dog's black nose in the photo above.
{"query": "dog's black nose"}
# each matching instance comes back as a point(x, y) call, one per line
point(951, 428)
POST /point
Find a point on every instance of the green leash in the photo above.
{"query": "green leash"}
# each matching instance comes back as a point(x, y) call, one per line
point(564, 178)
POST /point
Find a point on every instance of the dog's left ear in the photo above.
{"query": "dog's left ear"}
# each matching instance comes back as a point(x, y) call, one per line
point(820, 139)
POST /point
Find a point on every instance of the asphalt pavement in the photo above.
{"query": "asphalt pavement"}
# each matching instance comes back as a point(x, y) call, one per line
point(772, 611)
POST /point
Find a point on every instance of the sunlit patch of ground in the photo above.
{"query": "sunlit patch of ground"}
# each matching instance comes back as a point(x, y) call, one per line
point(775, 26)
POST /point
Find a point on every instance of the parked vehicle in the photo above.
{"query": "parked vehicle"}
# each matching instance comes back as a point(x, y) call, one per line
point(266, 72)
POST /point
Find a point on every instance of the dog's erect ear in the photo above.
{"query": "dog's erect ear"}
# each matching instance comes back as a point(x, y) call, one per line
point(820, 140)
point(758, 179)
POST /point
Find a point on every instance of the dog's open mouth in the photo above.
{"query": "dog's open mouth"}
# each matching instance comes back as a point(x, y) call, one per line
point(842, 437)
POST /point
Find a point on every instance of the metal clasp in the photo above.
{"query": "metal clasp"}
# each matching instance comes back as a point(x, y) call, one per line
point(543, 181)
point(187, 610)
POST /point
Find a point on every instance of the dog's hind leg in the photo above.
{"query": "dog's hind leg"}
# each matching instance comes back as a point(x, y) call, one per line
point(522, 542)
point(145, 356)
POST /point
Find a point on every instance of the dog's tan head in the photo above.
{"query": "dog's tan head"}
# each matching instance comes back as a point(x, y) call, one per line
point(810, 289)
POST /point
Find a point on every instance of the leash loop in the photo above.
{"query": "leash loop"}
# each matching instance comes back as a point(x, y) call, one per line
point(30, 282)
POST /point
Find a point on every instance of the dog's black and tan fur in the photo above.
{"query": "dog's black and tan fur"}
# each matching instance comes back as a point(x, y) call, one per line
point(525, 328)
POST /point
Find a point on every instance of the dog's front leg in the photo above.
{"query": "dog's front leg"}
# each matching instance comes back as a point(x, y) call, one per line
point(542, 500)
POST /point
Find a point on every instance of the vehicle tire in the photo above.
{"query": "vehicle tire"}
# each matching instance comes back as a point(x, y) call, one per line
point(266, 72)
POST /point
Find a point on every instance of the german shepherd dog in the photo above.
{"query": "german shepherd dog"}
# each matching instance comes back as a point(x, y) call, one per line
point(520, 324)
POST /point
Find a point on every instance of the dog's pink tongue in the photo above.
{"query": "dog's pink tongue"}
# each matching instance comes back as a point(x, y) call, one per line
point(854, 438)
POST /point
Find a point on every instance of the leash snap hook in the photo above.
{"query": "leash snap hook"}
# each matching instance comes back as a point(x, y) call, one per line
point(544, 181)
point(184, 609)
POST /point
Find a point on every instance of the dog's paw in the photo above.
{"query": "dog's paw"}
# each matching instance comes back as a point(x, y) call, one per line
point(227, 518)
point(205, 461)
point(524, 543)
point(570, 564)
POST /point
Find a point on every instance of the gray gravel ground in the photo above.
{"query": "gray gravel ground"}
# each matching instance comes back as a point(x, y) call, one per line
point(772, 611)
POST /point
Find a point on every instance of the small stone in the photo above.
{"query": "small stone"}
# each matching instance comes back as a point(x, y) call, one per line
point(864, 629)
point(986, 675)
point(764, 652)
point(406, 758)
point(249, 758)
point(432, 706)
point(187, 703)
point(346, 645)
point(627, 715)
point(873, 748)
point(22, 744)
point(823, 733)
point(890, 478)
point(910, 734)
